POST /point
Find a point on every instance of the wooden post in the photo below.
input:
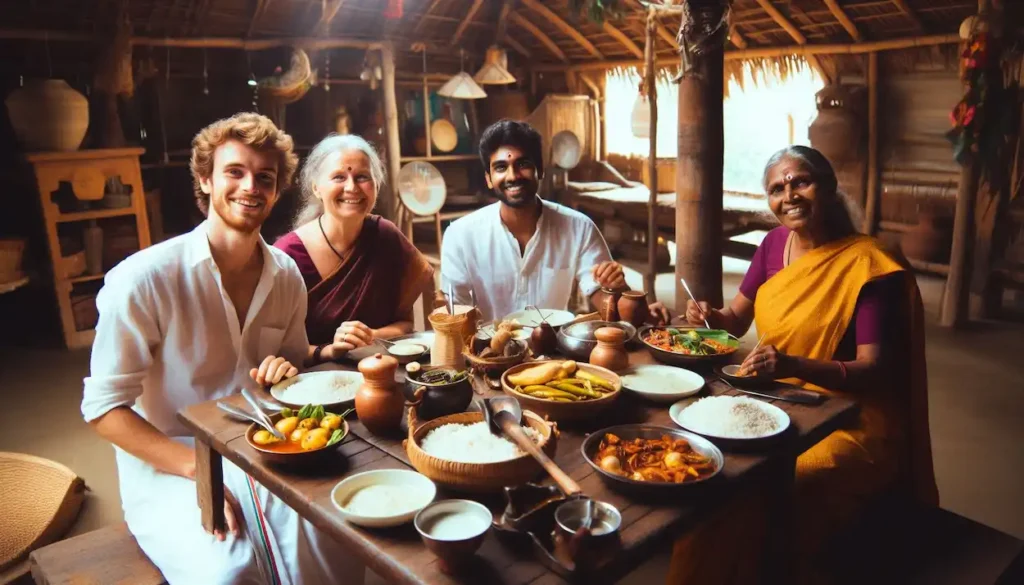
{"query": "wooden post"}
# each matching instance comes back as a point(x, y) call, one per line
point(387, 58)
point(426, 118)
point(871, 200)
point(699, 180)
point(652, 157)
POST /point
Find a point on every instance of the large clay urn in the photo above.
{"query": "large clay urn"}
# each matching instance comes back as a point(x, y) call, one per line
point(48, 115)
point(836, 130)
point(379, 401)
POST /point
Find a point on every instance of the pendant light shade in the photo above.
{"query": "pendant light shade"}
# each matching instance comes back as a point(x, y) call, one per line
point(495, 69)
point(640, 120)
point(462, 87)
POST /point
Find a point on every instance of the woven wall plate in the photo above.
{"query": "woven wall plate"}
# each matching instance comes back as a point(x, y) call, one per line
point(421, 188)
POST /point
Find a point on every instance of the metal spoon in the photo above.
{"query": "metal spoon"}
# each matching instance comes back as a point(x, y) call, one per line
point(692, 298)
point(795, 396)
point(260, 414)
point(241, 415)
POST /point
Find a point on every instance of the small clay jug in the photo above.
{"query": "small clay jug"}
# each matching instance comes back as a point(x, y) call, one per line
point(633, 308)
point(609, 307)
point(379, 402)
point(610, 351)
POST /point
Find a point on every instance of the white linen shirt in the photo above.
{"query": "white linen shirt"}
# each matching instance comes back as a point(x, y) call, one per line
point(479, 253)
point(168, 335)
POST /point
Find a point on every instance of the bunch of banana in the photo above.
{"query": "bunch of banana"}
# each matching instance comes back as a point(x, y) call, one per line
point(560, 382)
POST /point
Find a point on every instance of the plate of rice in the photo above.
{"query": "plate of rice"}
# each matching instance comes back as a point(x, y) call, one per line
point(733, 418)
point(333, 389)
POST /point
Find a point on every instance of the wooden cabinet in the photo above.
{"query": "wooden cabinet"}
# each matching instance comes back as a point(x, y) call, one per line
point(78, 169)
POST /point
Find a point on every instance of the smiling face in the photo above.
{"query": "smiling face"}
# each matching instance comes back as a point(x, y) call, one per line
point(345, 185)
point(512, 177)
point(794, 196)
point(242, 186)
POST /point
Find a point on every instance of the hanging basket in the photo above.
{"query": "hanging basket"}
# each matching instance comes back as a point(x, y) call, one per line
point(640, 119)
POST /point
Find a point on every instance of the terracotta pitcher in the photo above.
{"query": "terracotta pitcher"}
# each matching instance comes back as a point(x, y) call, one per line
point(379, 401)
point(633, 308)
point(608, 308)
point(610, 351)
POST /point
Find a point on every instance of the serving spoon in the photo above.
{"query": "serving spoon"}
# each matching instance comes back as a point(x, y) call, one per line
point(505, 418)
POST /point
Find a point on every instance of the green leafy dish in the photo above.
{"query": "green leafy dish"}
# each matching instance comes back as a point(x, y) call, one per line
point(680, 346)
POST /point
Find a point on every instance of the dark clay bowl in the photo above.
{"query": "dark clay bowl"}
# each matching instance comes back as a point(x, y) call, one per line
point(439, 399)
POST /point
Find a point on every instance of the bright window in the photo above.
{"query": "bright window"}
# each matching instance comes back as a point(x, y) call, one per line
point(758, 119)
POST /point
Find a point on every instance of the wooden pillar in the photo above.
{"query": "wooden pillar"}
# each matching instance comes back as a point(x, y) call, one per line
point(387, 205)
point(699, 180)
point(652, 157)
point(871, 199)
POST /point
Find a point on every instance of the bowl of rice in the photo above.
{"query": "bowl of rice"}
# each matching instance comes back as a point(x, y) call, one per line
point(459, 452)
point(730, 418)
point(334, 389)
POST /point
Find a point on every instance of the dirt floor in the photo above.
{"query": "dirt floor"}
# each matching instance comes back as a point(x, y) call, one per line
point(976, 409)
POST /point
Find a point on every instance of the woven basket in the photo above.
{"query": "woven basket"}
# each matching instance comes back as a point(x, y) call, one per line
point(41, 500)
point(449, 332)
point(476, 477)
point(494, 366)
point(11, 252)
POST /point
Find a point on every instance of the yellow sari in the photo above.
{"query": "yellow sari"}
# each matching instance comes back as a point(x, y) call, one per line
point(804, 310)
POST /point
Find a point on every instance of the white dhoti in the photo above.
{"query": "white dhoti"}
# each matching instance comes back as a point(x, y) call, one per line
point(276, 546)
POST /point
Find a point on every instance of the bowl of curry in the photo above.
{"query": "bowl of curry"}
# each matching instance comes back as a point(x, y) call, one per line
point(651, 458)
point(309, 434)
point(688, 347)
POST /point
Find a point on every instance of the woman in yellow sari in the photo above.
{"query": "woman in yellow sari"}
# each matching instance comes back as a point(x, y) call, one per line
point(839, 315)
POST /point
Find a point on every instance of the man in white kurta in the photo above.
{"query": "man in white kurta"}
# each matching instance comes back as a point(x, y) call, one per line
point(171, 334)
point(523, 250)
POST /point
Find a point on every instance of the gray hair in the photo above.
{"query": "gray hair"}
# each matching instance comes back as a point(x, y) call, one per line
point(311, 206)
point(842, 215)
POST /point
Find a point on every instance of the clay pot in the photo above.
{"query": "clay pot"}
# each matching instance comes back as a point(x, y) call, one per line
point(927, 241)
point(610, 351)
point(379, 402)
point(836, 130)
point(609, 307)
point(435, 400)
point(48, 115)
point(633, 308)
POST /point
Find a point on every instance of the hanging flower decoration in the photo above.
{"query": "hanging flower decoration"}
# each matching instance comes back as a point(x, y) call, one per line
point(967, 115)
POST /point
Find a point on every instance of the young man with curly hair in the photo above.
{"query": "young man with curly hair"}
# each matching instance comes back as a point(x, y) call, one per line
point(192, 319)
point(523, 250)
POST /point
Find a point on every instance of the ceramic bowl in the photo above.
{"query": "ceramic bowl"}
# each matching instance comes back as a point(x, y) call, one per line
point(419, 490)
point(453, 530)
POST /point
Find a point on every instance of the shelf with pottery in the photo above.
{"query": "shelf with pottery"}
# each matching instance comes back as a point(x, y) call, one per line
point(92, 175)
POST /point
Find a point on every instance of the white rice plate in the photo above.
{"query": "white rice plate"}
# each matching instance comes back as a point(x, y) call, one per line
point(330, 387)
point(473, 443)
point(731, 417)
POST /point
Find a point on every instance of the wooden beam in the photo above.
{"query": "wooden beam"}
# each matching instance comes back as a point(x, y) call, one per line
point(394, 150)
point(517, 46)
point(330, 8)
point(257, 15)
point(466, 20)
point(736, 38)
point(200, 42)
point(622, 38)
point(651, 81)
point(761, 52)
point(782, 21)
point(909, 13)
point(551, 16)
point(838, 12)
point(422, 20)
point(666, 35)
point(538, 34)
point(502, 33)
point(871, 203)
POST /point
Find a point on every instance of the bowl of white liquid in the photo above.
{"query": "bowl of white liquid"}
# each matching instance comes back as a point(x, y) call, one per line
point(453, 530)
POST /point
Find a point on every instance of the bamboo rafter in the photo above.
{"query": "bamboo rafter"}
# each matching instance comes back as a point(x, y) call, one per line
point(330, 9)
point(200, 42)
point(257, 15)
point(902, 5)
point(563, 26)
point(622, 38)
point(538, 34)
point(782, 21)
point(466, 20)
point(736, 38)
point(429, 9)
point(838, 12)
point(517, 47)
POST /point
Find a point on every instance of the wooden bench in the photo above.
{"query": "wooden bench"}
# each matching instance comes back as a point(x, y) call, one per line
point(108, 556)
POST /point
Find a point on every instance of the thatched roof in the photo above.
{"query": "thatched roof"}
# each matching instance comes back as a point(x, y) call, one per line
point(538, 31)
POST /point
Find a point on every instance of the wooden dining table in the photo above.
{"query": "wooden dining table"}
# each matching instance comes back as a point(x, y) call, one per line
point(648, 524)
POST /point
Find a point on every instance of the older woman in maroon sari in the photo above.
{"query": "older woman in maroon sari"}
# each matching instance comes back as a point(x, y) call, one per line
point(362, 275)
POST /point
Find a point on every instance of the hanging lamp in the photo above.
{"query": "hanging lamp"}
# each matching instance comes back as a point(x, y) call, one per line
point(462, 86)
point(495, 69)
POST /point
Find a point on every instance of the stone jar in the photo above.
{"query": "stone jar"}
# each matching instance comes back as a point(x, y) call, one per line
point(380, 403)
point(48, 115)
point(610, 352)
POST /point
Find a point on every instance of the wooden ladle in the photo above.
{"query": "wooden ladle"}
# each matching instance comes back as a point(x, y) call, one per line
point(506, 419)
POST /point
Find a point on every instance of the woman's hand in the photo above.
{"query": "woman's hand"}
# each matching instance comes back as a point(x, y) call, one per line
point(273, 370)
point(659, 313)
point(698, 313)
point(609, 275)
point(768, 361)
point(350, 335)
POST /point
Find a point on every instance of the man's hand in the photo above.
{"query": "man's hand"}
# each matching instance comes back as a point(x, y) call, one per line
point(233, 518)
point(659, 313)
point(609, 275)
point(273, 370)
